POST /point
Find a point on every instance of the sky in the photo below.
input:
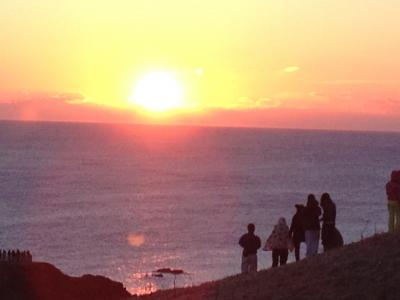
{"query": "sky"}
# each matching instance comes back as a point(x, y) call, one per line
point(321, 64)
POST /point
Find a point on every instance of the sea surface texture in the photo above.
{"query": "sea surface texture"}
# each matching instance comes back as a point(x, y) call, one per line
point(123, 200)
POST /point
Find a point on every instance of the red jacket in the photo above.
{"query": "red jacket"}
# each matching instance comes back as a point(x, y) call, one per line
point(393, 187)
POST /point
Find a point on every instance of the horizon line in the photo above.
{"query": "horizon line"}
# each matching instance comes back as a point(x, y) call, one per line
point(200, 125)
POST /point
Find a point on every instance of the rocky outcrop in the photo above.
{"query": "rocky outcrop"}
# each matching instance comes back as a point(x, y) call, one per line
point(43, 281)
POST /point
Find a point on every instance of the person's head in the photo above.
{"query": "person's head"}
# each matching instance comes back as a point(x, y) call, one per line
point(251, 228)
point(311, 200)
point(325, 199)
point(281, 221)
point(299, 207)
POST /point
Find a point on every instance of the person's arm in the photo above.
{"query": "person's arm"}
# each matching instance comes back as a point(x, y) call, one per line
point(241, 241)
point(291, 227)
point(319, 211)
point(388, 186)
point(258, 243)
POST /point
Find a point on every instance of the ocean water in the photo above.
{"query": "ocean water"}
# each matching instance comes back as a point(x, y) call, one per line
point(125, 200)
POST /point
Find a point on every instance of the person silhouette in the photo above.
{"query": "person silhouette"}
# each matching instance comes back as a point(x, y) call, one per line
point(278, 243)
point(328, 221)
point(250, 244)
point(29, 256)
point(393, 197)
point(17, 256)
point(311, 225)
point(296, 231)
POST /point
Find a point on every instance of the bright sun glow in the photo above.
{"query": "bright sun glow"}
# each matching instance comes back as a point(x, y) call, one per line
point(158, 91)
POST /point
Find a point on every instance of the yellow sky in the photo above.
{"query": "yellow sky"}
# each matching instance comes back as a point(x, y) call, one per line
point(316, 55)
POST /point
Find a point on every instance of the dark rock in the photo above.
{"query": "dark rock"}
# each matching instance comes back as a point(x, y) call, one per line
point(170, 271)
point(43, 281)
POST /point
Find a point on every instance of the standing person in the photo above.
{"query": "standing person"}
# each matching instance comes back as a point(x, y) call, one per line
point(278, 243)
point(393, 197)
point(250, 243)
point(328, 222)
point(311, 225)
point(296, 231)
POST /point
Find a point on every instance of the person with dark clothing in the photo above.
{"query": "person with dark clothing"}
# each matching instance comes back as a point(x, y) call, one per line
point(393, 197)
point(296, 231)
point(311, 225)
point(328, 222)
point(250, 244)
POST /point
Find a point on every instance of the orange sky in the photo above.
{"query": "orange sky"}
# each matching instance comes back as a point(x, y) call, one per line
point(293, 63)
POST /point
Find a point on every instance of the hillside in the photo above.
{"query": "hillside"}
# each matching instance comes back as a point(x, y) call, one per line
point(42, 281)
point(369, 269)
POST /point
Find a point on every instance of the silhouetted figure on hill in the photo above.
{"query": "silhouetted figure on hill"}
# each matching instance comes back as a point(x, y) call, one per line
point(250, 243)
point(278, 243)
point(329, 234)
point(296, 231)
point(29, 257)
point(311, 225)
point(393, 197)
point(15, 256)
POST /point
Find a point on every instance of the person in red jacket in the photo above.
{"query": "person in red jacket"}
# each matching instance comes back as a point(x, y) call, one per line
point(393, 197)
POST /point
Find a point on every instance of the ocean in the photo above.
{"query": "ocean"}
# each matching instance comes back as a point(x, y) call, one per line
point(125, 200)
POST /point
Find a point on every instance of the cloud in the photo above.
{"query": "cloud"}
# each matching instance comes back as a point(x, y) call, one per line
point(310, 118)
point(352, 82)
point(291, 69)
point(300, 100)
point(17, 97)
point(388, 106)
point(71, 107)
point(358, 109)
point(251, 103)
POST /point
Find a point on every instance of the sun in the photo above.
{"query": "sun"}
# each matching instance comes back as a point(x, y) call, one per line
point(158, 91)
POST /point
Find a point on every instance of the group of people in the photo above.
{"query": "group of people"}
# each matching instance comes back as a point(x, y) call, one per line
point(15, 256)
point(305, 227)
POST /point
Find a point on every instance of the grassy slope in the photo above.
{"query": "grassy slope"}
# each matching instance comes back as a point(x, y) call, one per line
point(369, 269)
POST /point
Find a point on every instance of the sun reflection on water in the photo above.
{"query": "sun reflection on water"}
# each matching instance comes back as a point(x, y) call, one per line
point(147, 283)
point(143, 284)
point(152, 272)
